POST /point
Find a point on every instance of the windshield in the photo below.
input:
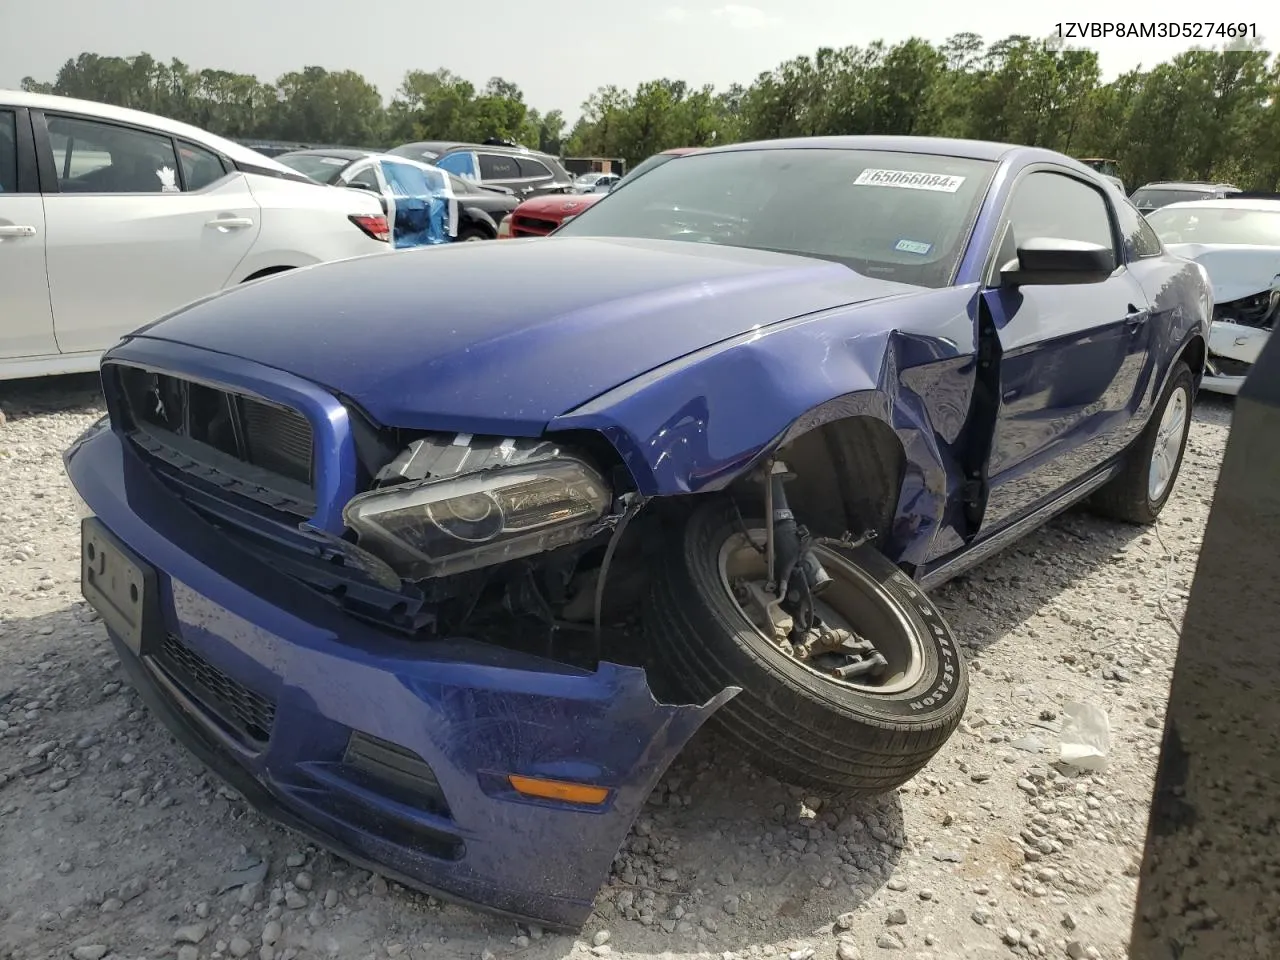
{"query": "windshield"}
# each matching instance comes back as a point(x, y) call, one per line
point(1150, 199)
point(1217, 225)
point(900, 216)
point(317, 167)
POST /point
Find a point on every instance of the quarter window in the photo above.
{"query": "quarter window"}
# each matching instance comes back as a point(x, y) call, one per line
point(8, 152)
point(200, 167)
point(495, 167)
point(94, 157)
point(1140, 239)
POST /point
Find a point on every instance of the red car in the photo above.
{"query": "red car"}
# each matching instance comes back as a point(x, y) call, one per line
point(538, 216)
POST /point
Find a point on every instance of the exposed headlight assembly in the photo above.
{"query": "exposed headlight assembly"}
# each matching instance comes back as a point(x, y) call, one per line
point(441, 527)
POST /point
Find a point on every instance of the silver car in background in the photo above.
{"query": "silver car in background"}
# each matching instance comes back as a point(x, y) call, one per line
point(1238, 242)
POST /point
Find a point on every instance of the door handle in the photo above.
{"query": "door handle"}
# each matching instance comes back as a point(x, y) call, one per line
point(17, 230)
point(230, 223)
point(1136, 317)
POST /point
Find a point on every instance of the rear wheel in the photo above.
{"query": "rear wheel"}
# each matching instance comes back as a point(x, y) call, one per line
point(472, 235)
point(794, 717)
point(1139, 492)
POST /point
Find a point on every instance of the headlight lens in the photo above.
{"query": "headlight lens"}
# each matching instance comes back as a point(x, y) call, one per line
point(441, 527)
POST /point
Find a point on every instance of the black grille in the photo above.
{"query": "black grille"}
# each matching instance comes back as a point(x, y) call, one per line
point(245, 712)
point(250, 446)
point(278, 439)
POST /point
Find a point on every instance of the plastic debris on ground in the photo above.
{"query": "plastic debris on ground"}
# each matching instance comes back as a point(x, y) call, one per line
point(1086, 736)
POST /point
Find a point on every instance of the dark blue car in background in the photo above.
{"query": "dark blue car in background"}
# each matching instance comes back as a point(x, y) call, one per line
point(447, 581)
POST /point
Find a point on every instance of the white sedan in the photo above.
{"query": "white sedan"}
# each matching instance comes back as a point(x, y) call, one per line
point(1238, 243)
point(111, 218)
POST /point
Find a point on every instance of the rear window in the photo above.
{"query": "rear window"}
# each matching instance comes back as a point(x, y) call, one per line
point(324, 169)
point(900, 216)
point(1145, 199)
point(1217, 225)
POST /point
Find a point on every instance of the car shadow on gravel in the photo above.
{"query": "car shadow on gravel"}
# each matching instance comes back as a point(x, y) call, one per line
point(78, 393)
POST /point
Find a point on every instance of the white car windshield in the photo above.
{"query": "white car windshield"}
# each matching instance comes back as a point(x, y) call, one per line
point(1199, 224)
point(901, 216)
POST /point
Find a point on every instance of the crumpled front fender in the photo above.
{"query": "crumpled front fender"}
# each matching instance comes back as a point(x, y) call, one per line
point(698, 423)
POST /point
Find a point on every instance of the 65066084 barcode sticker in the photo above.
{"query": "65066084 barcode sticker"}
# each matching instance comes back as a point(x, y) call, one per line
point(909, 179)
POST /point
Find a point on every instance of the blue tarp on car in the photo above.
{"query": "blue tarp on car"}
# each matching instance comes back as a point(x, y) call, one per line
point(424, 210)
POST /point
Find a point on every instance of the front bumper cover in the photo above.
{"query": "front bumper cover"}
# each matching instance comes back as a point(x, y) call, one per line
point(472, 712)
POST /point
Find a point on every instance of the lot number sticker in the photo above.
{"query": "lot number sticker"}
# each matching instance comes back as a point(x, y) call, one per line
point(909, 180)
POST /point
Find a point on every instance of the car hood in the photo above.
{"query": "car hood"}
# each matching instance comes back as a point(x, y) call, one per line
point(1235, 270)
point(502, 337)
point(557, 206)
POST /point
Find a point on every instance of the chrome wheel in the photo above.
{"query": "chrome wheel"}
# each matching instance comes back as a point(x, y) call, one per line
point(1169, 436)
point(852, 607)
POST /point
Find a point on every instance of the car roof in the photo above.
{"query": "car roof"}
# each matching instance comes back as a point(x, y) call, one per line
point(346, 153)
point(933, 146)
point(1186, 185)
point(1226, 203)
point(444, 146)
point(106, 111)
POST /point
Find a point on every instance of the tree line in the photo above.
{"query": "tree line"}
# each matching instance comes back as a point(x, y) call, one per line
point(1208, 114)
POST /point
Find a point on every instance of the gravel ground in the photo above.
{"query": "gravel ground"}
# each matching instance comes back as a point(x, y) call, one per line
point(114, 843)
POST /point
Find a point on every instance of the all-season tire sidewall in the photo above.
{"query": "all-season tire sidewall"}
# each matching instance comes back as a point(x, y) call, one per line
point(799, 726)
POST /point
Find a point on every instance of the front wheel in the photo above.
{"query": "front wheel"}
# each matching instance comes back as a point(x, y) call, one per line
point(794, 717)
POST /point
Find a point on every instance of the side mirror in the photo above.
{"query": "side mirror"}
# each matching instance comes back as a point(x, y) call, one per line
point(1052, 260)
point(358, 185)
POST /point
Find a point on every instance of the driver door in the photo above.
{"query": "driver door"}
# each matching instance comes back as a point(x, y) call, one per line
point(1073, 368)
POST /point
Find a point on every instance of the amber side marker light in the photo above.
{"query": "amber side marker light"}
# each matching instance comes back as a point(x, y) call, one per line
point(559, 790)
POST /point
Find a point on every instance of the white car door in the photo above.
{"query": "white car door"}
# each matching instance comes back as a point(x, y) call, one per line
point(26, 320)
point(141, 224)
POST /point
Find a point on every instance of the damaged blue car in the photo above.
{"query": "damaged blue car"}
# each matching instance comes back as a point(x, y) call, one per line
point(446, 581)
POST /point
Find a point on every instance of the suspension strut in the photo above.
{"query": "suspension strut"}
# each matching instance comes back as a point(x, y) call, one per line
point(792, 546)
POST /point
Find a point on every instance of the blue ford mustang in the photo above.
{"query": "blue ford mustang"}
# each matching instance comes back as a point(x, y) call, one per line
point(446, 580)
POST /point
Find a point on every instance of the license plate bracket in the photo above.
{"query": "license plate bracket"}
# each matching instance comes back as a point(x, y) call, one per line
point(119, 585)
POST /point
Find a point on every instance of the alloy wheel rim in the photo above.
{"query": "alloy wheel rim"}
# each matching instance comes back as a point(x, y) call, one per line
point(1169, 436)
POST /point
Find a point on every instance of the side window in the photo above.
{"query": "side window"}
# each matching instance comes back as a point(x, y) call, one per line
point(94, 157)
point(496, 167)
point(200, 167)
point(8, 152)
point(533, 168)
point(459, 163)
point(1139, 239)
point(1055, 205)
point(367, 178)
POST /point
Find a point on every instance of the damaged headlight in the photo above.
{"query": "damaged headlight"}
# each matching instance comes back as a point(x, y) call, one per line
point(441, 527)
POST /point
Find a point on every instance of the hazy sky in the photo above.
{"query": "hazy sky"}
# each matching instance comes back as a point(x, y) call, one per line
point(557, 52)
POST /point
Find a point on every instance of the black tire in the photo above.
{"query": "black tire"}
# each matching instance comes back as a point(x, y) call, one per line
point(1126, 496)
point(791, 722)
point(472, 234)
